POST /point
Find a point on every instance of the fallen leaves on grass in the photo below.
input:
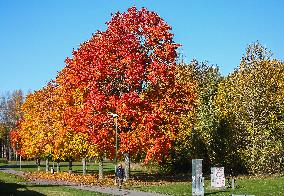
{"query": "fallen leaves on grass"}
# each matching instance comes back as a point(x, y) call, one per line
point(89, 179)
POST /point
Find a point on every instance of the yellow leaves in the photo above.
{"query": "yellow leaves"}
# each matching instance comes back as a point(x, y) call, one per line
point(78, 97)
point(250, 100)
point(36, 129)
point(2, 130)
point(76, 144)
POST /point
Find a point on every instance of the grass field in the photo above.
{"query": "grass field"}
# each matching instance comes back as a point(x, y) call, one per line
point(261, 186)
point(10, 185)
point(2, 160)
point(273, 186)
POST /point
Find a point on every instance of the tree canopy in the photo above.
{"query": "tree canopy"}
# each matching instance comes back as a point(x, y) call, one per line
point(167, 112)
point(130, 70)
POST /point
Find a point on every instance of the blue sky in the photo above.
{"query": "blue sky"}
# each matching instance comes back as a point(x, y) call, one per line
point(37, 36)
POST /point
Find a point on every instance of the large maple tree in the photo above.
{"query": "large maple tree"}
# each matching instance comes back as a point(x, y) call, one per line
point(129, 69)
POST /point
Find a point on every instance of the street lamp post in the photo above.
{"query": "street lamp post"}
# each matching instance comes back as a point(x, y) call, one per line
point(17, 146)
point(115, 116)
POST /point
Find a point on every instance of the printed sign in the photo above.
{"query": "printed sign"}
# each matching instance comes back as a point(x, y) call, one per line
point(217, 177)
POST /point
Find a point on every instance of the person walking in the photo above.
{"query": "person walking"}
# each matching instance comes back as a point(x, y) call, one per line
point(119, 174)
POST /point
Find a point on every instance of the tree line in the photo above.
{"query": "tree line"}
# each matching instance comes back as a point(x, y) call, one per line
point(10, 113)
point(238, 121)
point(168, 112)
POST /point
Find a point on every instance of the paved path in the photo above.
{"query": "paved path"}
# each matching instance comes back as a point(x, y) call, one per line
point(107, 190)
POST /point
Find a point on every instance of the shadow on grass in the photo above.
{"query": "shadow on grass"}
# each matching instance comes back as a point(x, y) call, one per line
point(93, 172)
point(217, 192)
point(16, 189)
point(153, 177)
point(17, 166)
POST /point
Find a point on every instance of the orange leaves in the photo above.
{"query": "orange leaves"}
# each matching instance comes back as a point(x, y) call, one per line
point(36, 128)
point(93, 180)
point(130, 70)
point(129, 142)
point(159, 149)
point(15, 140)
point(71, 178)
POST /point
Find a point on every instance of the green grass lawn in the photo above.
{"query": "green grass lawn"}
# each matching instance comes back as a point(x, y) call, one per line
point(10, 185)
point(253, 186)
point(3, 160)
point(258, 187)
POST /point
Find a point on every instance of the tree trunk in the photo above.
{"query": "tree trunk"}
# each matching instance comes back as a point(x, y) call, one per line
point(57, 166)
point(20, 162)
point(101, 169)
point(16, 158)
point(84, 166)
point(70, 166)
point(46, 165)
point(52, 168)
point(5, 151)
point(1, 144)
point(11, 155)
point(14, 154)
point(127, 165)
point(38, 164)
point(9, 149)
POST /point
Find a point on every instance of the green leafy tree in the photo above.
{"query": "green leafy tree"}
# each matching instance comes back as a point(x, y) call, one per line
point(196, 127)
point(250, 102)
point(208, 77)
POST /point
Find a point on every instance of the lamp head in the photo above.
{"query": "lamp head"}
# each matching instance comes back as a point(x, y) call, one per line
point(113, 115)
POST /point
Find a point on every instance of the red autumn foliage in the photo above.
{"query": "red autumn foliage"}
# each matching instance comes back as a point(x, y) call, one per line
point(129, 69)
